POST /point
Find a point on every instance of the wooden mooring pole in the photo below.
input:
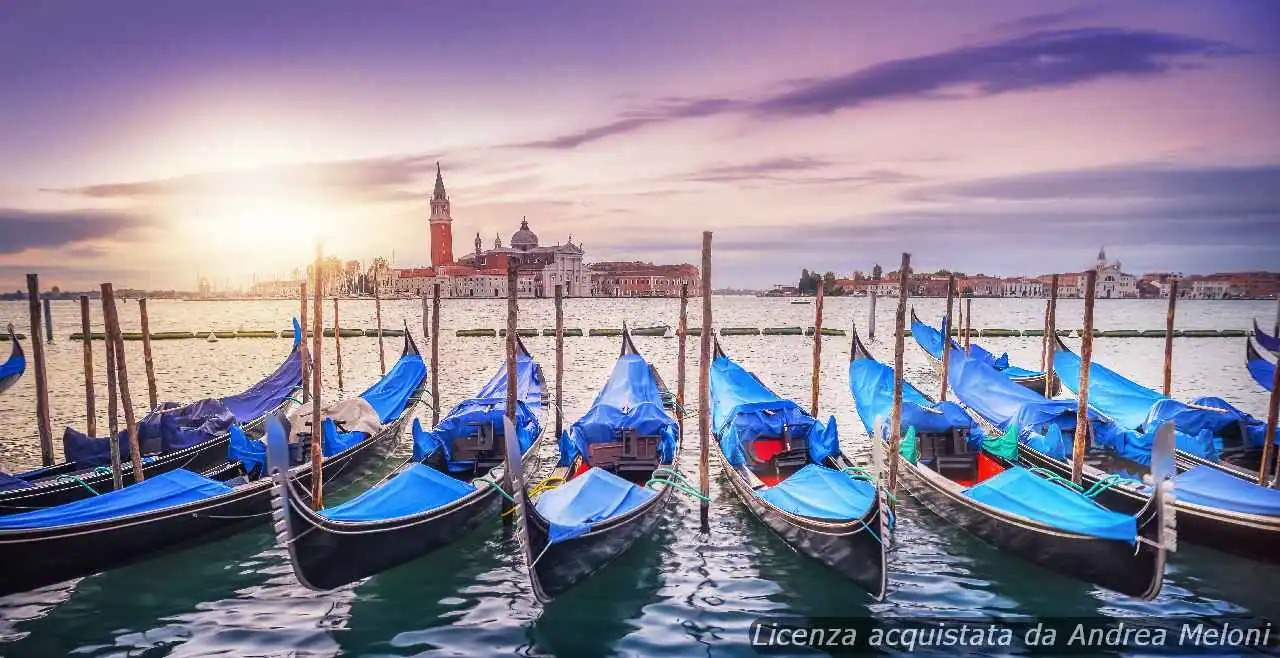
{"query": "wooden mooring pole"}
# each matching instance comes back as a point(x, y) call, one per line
point(1168, 339)
point(43, 424)
point(337, 342)
point(815, 382)
point(377, 311)
point(306, 360)
point(968, 323)
point(559, 359)
point(682, 336)
point(317, 349)
point(90, 401)
point(871, 324)
point(1080, 442)
point(1051, 340)
point(113, 401)
point(115, 342)
point(704, 388)
point(146, 354)
point(513, 309)
point(48, 321)
point(946, 336)
point(1268, 442)
point(895, 419)
point(435, 355)
point(425, 316)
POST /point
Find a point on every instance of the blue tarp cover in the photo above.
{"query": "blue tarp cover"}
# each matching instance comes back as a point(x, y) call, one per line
point(744, 409)
point(1137, 407)
point(931, 340)
point(388, 396)
point(871, 383)
point(251, 453)
point(1208, 486)
point(629, 399)
point(416, 489)
point(593, 496)
point(823, 493)
point(1262, 371)
point(176, 427)
point(1024, 493)
point(8, 482)
point(156, 492)
point(488, 406)
point(15, 364)
point(1267, 342)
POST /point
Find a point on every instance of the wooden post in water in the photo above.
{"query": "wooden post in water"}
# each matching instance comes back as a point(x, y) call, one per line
point(435, 355)
point(1275, 331)
point(337, 341)
point(1080, 442)
point(1273, 409)
point(146, 354)
point(946, 336)
point(1044, 339)
point(306, 360)
point(513, 285)
point(559, 359)
point(317, 349)
point(377, 311)
point(871, 324)
point(115, 342)
point(90, 413)
point(113, 402)
point(48, 321)
point(43, 424)
point(682, 335)
point(968, 323)
point(704, 387)
point(1051, 340)
point(895, 418)
point(1168, 339)
point(425, 316)
point(817, 351)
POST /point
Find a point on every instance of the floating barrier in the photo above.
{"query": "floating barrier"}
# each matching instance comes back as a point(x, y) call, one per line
point(1120, 333)
point(1033, 332)
point(1000, 333)
point(476, 333)
point(4, 337)
point(650, 331)
point(373, 333)
point(782, 331)
point(222, 334)
point(604, 332)
point(345, 333)
point(259, 334)
point(826, 331)
point(739, 331)
point(523, 333)
point(1233, 333)
point(1202, 333)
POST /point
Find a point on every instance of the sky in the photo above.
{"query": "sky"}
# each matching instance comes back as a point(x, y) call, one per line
point(148, 143)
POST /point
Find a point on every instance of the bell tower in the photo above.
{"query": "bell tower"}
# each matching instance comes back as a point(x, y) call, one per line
point(441, 224)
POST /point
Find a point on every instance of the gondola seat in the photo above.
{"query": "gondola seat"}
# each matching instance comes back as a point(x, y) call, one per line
point(630, 454)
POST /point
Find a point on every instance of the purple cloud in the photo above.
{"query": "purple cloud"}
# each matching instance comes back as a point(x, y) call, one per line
point(27, 229)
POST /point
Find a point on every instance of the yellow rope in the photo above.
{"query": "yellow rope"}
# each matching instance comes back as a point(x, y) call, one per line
point(546, 484)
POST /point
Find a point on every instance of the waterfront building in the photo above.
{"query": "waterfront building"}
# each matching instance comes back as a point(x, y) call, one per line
point(1112, 282)
point(639, 279)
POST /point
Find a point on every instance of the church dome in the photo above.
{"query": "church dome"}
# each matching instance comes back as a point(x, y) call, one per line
point(524, 239)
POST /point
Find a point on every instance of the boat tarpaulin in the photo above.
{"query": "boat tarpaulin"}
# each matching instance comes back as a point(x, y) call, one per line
point(823, 493)
point(631, 400)
point(9, 482)
point(251, 453)
point(389, 394)
point(272, 391)
point(1139, 408)
point(871, 383)
point(744, 409)
point(1262, 370)
point(1267, 341)
point(488, 407)
point(415, 489)
point(1208, 486)
point(592, 497)
point(15, 365)
point(168, 489)
point(1024, 493)
point(931, 340)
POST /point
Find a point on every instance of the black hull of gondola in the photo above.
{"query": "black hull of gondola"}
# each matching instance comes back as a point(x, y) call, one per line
point(1243, 535)
point(198, 458)
point(856, 552)
point(1112, 564)
point(46, 556)
point(559, 567)
point(328, 554)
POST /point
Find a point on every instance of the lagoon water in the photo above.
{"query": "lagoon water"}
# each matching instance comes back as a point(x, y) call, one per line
point(676, 592)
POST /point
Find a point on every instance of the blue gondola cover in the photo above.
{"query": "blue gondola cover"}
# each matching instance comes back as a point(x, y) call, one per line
point(1262, 371)
point(871, 383)
point(416, 489)
point(251, 453)
point(488, 406)
point(589, 498)
point(931, 340)
point(15, 365)
point(1021, 492)
point(629, 399)
point(1208, 486)
point(823, 493)
point(175, 487)
point(744, 409)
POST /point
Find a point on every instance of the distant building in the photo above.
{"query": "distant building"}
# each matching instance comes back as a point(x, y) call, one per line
point(1022, 287)
point(638, 279)
point(1112, 282)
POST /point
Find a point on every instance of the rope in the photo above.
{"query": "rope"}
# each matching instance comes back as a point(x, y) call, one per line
point(497, 487)
point(1104, 484)
point(72, 478)
point(858, 473)
point(1054, 477)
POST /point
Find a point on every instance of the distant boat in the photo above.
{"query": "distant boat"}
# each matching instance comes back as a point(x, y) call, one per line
point(801, 301)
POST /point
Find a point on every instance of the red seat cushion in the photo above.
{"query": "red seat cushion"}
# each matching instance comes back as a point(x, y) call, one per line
point(764, 449)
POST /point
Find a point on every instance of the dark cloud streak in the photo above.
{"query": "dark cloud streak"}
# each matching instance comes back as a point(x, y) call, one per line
point(30, 229)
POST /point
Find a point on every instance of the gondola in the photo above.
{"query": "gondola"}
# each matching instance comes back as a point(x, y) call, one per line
point(13, 367)
point(1210, 431)
point(971, 479)
point(614, 476)
point(194, 437)
point(180, 507)
point(787, 468)
point(1215, 508)
point(930, 340)
point(1261, 368)
point(1265, 340)
point(448, 487)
